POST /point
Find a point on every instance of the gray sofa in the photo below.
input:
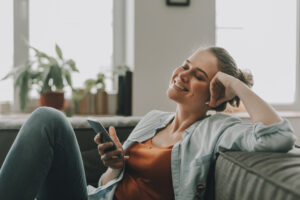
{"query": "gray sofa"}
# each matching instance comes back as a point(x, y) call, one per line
point(234, 175)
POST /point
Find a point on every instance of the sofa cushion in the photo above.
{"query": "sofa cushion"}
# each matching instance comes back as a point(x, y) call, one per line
point(244, 175)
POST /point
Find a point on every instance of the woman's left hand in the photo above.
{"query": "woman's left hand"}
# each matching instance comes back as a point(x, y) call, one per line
point(221, 89)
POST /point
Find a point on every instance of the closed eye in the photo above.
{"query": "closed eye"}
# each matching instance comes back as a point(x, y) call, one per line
point(184, 67)
point(199, 77)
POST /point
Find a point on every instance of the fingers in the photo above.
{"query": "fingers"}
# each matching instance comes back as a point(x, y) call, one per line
point(114, 137)
point(97, 138)
point(217, 93)
point(104, 147)
point(113, 159)
point(112, 155)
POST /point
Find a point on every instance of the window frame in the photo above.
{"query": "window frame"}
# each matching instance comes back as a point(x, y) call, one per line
point(21, 33)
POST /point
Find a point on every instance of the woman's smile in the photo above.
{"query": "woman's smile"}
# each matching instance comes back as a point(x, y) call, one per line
point(178, 86)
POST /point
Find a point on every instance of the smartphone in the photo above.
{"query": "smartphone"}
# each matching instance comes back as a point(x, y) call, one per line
point(98, 128)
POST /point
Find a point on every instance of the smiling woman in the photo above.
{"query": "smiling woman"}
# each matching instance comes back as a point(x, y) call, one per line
point(194, 76)
point(168, 154)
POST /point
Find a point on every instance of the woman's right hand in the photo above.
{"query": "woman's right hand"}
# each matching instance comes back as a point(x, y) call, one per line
point(114, 159)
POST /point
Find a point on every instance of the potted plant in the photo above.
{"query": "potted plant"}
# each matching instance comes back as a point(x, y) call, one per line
point(50, 75)
point(93, 98)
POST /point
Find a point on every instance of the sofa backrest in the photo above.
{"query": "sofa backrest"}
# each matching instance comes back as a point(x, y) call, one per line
point(257, 175)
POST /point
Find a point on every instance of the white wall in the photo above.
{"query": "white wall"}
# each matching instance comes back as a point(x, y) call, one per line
point(163, 37)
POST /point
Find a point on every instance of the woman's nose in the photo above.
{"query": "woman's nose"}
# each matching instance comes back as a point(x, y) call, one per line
point(184, 76)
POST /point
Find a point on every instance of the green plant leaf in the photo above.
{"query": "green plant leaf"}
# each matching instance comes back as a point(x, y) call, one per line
point(20, 74)
point(56, 75)
point(13, 71)
point(45, 74)
point(77, 95)
point(45, 80)
point(23, 90)
point(58, 51)
point(89, 83)
point(68, 77)
point(39, 54)
point(100, 77)
point(53, 61)
point(72, 65)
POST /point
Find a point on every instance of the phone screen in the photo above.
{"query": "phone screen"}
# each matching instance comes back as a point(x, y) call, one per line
point(98, 128)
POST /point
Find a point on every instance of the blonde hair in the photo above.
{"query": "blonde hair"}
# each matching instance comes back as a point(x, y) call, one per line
point(226, 64)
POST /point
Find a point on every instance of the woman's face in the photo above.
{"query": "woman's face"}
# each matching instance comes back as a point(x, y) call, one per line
point(189, 85)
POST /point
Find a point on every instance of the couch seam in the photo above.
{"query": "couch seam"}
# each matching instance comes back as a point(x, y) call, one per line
point(243, 166)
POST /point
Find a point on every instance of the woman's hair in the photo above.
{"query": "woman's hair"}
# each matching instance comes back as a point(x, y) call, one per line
point(227, 65)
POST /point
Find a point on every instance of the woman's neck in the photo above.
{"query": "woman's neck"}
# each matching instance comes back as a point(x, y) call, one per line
point(183, 120)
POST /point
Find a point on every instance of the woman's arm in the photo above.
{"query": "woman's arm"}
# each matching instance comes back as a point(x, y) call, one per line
point(224, 87)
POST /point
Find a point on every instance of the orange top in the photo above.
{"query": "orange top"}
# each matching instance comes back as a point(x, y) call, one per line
point(147, 173)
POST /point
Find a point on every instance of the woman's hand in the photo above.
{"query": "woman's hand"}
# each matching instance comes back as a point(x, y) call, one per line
point(224, 87)
point(113, 159)
point(221, 89)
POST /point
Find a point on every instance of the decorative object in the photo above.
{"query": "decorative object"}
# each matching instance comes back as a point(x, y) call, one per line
point(5, 108)
point(101, 102)
point(93, 98)
point(50, 75)
point(112, 103)
point(54, 99)
point(178, 2)
point(124, 91)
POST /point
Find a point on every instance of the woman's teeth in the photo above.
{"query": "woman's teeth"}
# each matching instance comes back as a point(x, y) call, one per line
point(179, 86)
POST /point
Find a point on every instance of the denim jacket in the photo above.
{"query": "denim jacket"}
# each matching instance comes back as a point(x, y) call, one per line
point(192, 156)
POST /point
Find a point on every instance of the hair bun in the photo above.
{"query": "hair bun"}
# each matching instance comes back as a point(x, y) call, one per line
point(246, 77)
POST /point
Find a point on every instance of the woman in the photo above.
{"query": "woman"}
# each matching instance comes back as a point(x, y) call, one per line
point(167, 155)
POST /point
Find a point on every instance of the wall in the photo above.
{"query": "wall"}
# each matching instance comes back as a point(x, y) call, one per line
point(163, 37)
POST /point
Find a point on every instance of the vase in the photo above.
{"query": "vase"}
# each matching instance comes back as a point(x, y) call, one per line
point(52, 99)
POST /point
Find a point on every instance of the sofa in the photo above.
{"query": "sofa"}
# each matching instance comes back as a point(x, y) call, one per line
point(233, 176)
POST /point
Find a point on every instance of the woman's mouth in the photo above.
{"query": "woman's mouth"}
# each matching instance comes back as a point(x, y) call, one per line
point(177, 85)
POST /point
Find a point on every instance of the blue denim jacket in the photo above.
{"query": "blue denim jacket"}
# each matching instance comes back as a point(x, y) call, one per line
point(192, 155)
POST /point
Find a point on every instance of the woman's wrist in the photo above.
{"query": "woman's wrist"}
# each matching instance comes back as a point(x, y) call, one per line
point(110, 174)
point(114, 172)
point(238, 87)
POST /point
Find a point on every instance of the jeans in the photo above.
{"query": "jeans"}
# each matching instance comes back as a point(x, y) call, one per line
point(44, 161)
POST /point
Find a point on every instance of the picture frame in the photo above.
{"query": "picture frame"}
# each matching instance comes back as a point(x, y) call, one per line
point(178, 2)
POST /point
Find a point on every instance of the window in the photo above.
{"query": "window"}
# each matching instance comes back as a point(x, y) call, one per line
point(6, 49)
point(262, 36)
point(83, 30)
point(90, 32)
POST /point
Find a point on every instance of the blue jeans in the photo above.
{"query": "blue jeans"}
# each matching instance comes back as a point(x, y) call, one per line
point(44, 161)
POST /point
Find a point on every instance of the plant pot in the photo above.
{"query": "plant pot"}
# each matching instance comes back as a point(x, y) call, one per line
point(52, 99)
